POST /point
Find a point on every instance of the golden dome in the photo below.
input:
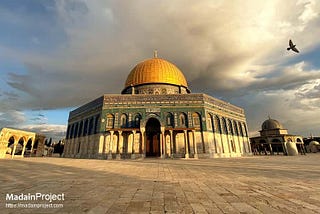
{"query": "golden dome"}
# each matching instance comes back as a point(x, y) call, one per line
point(155, 70)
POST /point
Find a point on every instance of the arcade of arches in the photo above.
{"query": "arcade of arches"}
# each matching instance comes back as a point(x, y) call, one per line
point(162, 137)
point(19, 143)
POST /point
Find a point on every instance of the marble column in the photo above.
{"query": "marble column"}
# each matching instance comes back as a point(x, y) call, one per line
point(133, 156)
point(143, 142)
point(120, 140)
point(171, 143)
point(14, 150)
point(186, 144)
point(109, 157)
point(162, 144)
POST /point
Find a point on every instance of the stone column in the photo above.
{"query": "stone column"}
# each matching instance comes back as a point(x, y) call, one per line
point(195, 145)
point(101, 145)
point(186, 144)
point(109, 156)
point(133, 156)
point(161, 141)
point(118, 155)
point(215, 141)
point(14, 150)
point(105, 146)
point(171, 143)
point(239, 144)
point(221, 135)
point(228, 137)
point(169, 155)
point(271, 151)
point(23, 149)
point(162, 144)
point(143, 146)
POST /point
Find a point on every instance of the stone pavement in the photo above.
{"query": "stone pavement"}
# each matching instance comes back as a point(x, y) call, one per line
point(265, 184)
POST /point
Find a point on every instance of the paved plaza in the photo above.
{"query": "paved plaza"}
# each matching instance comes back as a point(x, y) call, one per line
point(265, 184)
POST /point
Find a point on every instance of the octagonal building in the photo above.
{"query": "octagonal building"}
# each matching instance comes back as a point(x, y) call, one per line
point(156, 115)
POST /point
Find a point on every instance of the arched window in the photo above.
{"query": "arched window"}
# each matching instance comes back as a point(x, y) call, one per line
point(10, 144)
point(235, 127)
point(75, 130)
point(85, 130)
point(183, 120)
point(233, 146)
point(224, 126)
point(170, 120)
point(245, 130)
point(123, 121)
point(230, 128)
point(91, 126)
point(196, 119)
point(19, 146)
point(241, 129)
point(96, 123)
point(137, 120)
point(29, 144)
point(110, 121)
point(80, 129)
point(71, 131)
point(217, 124)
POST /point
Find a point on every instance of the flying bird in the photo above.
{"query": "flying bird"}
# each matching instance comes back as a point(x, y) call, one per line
point(292, 47)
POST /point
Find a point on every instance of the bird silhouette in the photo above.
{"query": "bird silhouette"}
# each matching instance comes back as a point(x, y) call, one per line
point(292, 47)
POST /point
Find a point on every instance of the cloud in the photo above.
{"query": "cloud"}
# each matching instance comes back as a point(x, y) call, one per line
point(308, 13)
point(56, 132)
point(233, 50)
point(311, 91)
point(10, 118)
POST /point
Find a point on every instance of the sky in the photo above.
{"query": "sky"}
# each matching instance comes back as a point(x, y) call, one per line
point(57, 55)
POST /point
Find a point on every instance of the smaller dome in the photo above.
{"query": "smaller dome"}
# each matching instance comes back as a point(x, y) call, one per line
point(314, 143)
point(271, 124)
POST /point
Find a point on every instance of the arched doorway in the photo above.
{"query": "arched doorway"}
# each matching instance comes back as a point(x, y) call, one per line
point(153, 138)
point(10, 145)
point(28, 147)
point(277, 146)
point(19, 147)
